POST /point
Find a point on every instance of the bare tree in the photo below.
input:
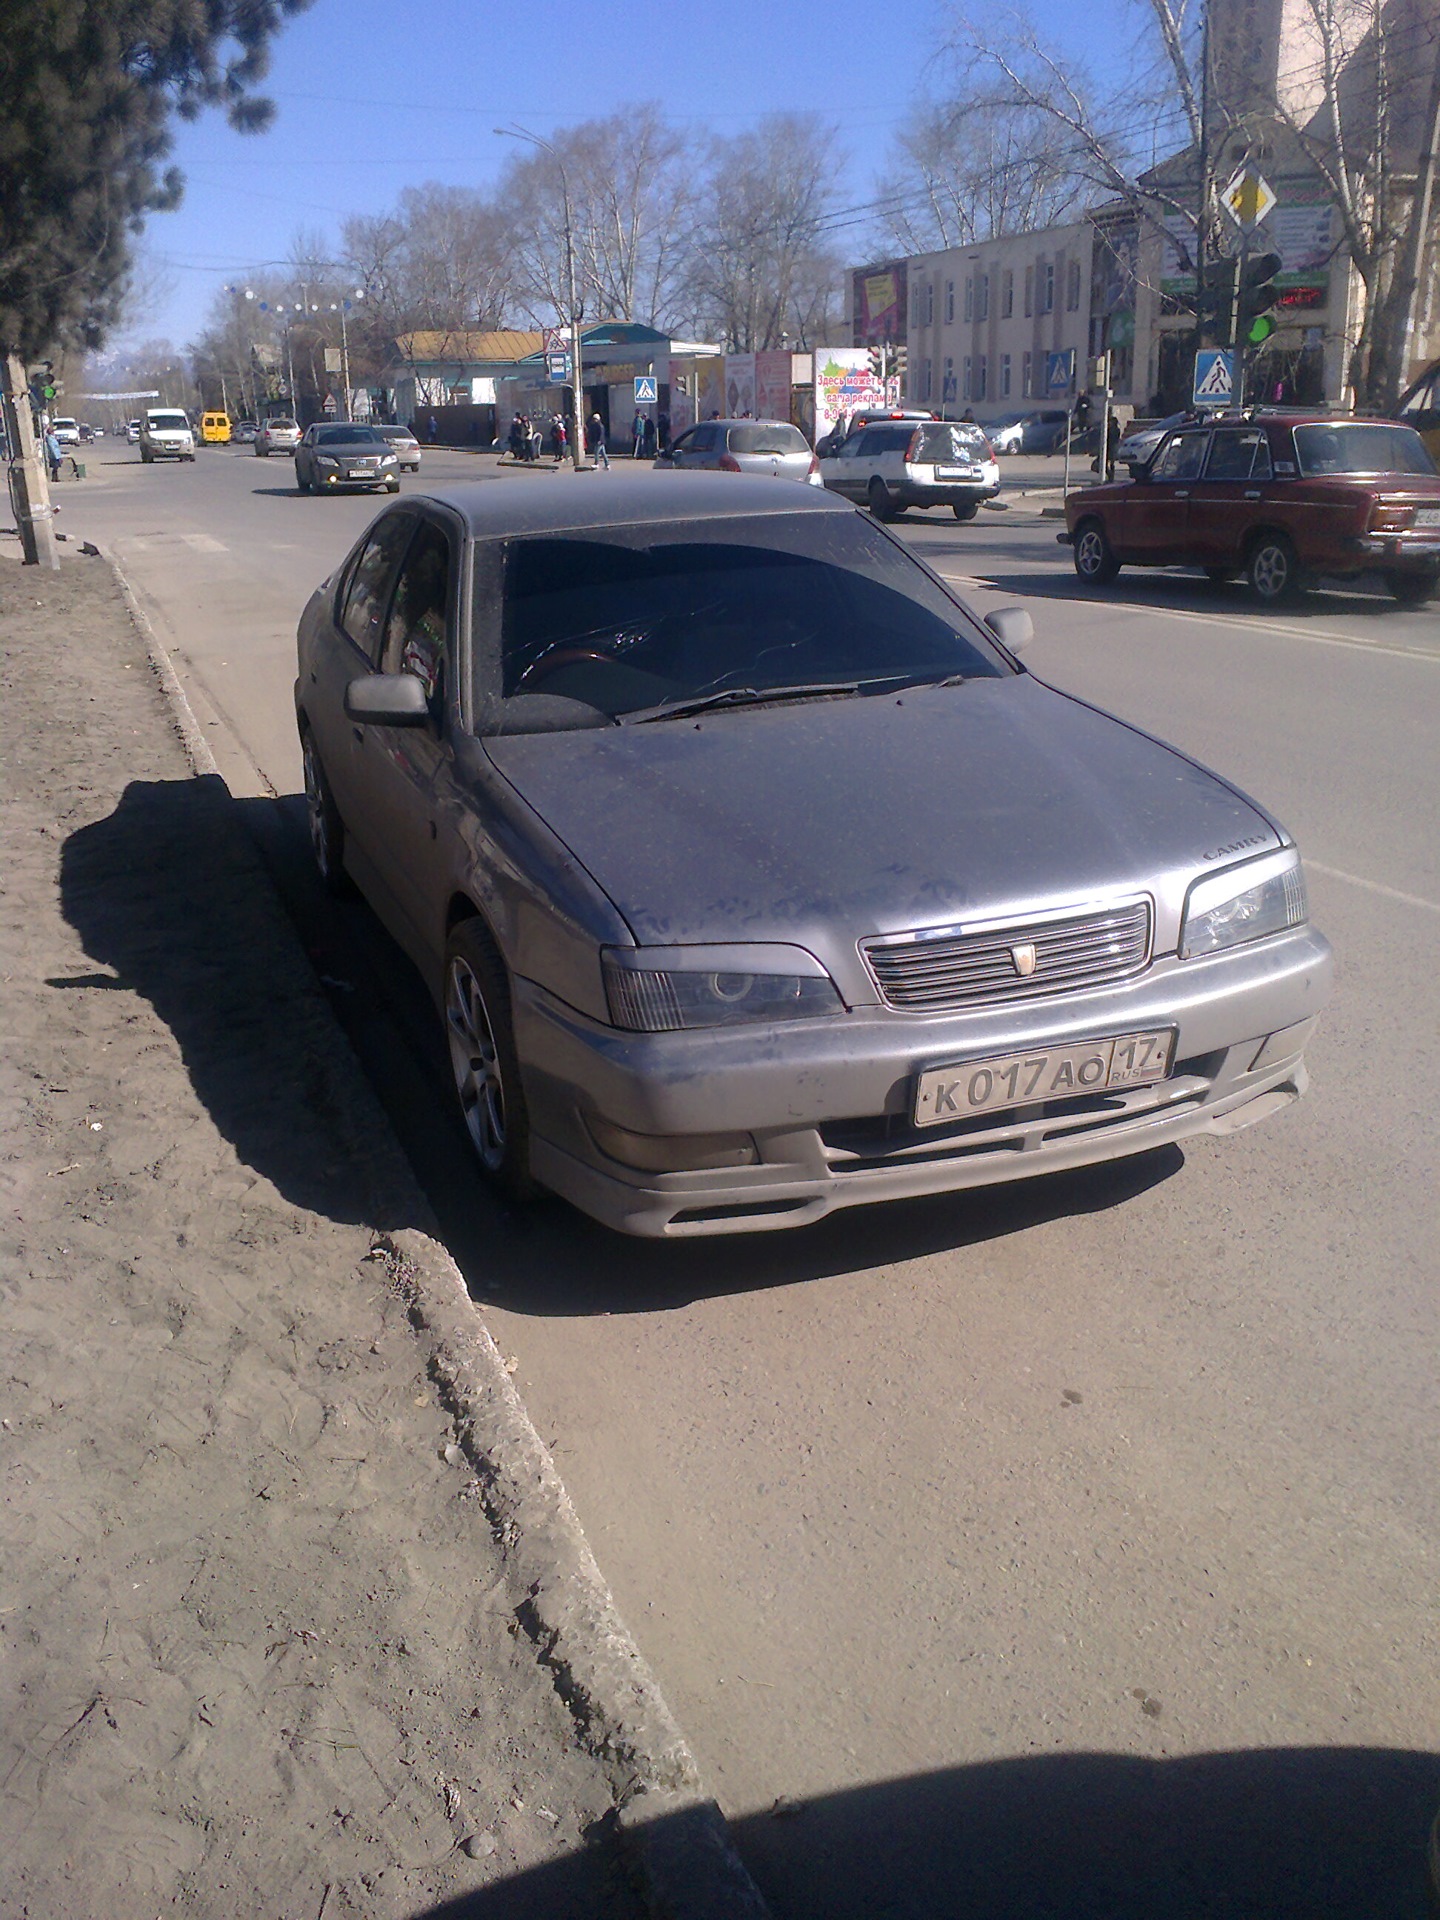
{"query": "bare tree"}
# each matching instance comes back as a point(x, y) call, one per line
point(760, 253)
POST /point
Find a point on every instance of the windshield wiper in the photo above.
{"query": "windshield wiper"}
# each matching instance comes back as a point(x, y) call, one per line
point(737, 697)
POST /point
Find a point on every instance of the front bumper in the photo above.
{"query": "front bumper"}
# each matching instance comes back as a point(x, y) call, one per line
point(826, 1105)
point(1403, 551)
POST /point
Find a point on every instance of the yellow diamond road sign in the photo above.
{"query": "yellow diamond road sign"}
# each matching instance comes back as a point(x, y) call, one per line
point(1248, 198)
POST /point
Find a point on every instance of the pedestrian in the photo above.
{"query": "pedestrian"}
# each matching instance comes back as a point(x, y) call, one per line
point(558, 439)
point(518, 442)
point(434, 430)
point(638, 433)
point(54, 452)
point(597, 442)
point(647, 439)
point(662, 430)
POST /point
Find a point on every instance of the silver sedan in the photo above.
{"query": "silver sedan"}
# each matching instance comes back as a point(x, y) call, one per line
point(754, 876)
point(770, 447)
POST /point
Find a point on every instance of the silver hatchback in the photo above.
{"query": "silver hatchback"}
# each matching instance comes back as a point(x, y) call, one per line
point(769, 447)
point(754, 877)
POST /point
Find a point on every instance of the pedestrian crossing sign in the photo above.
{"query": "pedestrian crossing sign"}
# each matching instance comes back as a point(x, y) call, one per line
point(1214, 377)
point(647, 389)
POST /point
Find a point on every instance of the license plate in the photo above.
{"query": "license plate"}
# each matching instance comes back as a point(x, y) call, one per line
point(957, 473)
point(1427, 517)
point(361, 473)
point(1047, 1073)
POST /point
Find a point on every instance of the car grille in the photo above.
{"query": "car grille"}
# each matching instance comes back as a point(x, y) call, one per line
point(932, 971)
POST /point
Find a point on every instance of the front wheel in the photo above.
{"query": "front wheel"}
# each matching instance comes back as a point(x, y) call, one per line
point(392, 486)
point(327, 829)
point(1411, 589)
point(1095, 560)
point(965, 509)
point(1272, 571)
point(877, 499)
point(303, 485)
point(483, 1060)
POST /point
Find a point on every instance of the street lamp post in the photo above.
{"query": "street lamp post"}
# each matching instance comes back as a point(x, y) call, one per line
point(246, 293)
point(577, 371)
point(342, 307)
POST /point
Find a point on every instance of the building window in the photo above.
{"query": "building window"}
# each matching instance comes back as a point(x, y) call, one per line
point(1027, 376)
point(1007, 294)
point(1004, 376)
point(1029, 291)
point(982, 298)
point(965, 393)
point(947, 390)
point(930, 303)
point(925, 378)
point(980, 377)
point(1072, 287)
point(969, 296)
point(949, 301)
point(1047, 287)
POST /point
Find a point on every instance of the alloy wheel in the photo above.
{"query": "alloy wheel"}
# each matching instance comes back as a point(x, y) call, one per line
point(475, 1063)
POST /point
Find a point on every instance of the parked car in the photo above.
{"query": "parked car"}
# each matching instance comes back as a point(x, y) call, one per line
point(894, 464)
point(864, 417)
point(345, 456)
point(1278, 496)
point(245, 432)
point(280, 435)
point(1143, 440)
point(724, 933)
point(1044, 430)
point(1007, 434)
point(770, 447)
point(65, 430)
point(166, 434)
point(407, 447)
point(214, 429)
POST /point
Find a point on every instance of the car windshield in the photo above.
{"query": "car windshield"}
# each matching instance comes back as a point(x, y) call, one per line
point(168, 422)
point(767, 437)
point(632, 619)
point(347, 437)
point(1364, 447)
point(951, 440)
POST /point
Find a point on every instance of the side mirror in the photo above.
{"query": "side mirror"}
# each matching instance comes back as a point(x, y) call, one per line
point(387, 700)
point(1012, 627)
point(1139, 469)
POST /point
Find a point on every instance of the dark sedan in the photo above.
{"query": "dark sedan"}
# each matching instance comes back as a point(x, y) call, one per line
point(344, 457)
point(754, 877)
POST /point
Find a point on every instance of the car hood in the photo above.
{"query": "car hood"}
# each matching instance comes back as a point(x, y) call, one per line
point(823, 823)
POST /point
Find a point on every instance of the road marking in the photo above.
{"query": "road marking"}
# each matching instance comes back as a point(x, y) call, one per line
point(1372, 886)
point(1354, 641)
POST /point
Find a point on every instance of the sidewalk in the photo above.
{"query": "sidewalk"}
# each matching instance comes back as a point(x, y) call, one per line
point(296, 1619)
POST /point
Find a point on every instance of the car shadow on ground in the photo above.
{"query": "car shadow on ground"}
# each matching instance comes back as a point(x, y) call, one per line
point(1185, 593)
point(170, 901)
point(1285, 1833)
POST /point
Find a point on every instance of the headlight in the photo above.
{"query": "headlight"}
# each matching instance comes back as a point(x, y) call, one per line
point(670, 988)
point(1249, 902)
point(324, 460)
point(387, 459)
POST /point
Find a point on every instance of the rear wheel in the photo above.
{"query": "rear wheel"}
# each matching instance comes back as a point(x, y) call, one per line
point(1411, 589)
point(1095, 560)
point(483, 1060)
point(965, 509)
point(1272, 570)
point(878, 500)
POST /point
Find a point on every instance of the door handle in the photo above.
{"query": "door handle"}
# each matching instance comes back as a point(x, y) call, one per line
point(1252, 493)
point(1182, 493)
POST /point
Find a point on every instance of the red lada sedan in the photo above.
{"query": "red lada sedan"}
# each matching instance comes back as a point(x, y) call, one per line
point(1277, 496)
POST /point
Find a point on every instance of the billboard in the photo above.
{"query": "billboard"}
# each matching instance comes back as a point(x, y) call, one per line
point(878, 303)
point(772, 383)
point(844, 382)
point(739, 386)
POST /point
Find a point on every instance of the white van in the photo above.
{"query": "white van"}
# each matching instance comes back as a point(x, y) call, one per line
point(166, 434)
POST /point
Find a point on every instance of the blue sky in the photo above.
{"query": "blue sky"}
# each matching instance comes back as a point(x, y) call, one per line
point(377, 95)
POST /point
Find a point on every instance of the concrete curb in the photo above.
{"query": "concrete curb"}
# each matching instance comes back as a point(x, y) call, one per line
point(673, 1835)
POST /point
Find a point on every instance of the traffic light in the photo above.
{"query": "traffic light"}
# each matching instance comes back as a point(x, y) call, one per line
point(1258, 293)
point(898, 363)
point(877, 362)
point(1215, 293)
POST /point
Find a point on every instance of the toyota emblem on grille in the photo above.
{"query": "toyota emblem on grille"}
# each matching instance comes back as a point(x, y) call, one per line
point(1025, 957)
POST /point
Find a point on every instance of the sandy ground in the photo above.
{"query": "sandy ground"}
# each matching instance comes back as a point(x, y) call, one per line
point(258, 1644)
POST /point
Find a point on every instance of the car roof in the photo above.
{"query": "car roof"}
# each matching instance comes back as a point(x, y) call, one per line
point(745, 420)
point(539, 505)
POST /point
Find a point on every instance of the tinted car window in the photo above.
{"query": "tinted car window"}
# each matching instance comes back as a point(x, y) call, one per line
point(701, 440)
point(893, 437)
point(767, 439)
point(367, 591)
point(629, 619)
point(417, 628)
point(1233, 455)
point(1338, 447)
point(346, 436)
point(1182, 457)
point(952, 440)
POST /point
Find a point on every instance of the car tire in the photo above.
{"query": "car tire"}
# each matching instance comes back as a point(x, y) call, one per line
point(1095, 560)
point(327, 829)
point(303, 485)
point(966, 509)
point(1271, 569)
point(392, 486)
point(1411, 589)
point(484, 1065)
point(877, 498)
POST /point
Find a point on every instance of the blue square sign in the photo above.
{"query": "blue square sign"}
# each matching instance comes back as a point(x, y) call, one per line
point(1214, 377)
point(647, 389)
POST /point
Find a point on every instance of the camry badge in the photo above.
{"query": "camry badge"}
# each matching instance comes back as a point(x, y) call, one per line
point(1025, 957)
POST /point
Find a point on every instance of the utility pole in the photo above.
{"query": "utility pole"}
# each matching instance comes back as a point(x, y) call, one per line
point(1407, 276)
point(29, 481)
point(577, 370)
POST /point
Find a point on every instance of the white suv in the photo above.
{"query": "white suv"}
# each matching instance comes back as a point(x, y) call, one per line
point(894, 464)
point(166, 434)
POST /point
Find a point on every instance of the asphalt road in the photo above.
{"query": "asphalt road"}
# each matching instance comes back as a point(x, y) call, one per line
point(1065, 1550)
